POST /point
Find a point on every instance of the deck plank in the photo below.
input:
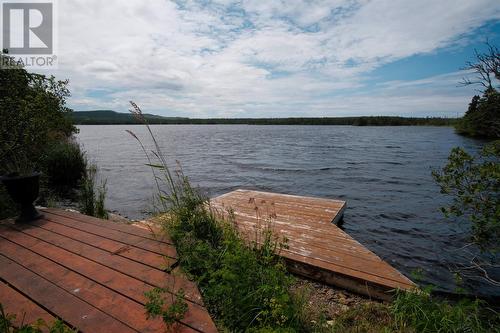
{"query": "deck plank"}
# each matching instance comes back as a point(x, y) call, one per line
point(137, 271)
point(26, 311)
point(148, 244)
point(93, 274)
point(117, 248)
point(129, 311)
point(128, 229)
point(317, 248)
point(76, 312)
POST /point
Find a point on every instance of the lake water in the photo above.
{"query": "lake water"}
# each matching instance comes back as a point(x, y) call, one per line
point(384, 174)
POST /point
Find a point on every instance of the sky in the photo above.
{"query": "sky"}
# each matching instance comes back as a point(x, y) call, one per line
point(271, 58)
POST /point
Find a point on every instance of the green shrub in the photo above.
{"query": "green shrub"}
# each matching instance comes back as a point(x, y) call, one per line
point(421, 312)
point(64, 166)
point(33, 115)
point(243, 285)
point(474, 184)
point(90, 196)
point(8, 207)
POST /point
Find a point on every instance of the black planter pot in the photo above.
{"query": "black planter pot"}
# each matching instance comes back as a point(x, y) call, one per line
point(24, 191)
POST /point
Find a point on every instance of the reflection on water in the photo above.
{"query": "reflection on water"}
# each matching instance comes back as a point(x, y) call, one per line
point(384, 174)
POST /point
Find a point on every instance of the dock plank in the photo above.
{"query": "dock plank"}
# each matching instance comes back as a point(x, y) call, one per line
point(317, 248)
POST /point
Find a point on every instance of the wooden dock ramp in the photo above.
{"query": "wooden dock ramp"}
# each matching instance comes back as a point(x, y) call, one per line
point(317, 248)
point(92, 274)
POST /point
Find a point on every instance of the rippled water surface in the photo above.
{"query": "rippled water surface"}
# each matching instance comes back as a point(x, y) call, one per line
point(384, 174)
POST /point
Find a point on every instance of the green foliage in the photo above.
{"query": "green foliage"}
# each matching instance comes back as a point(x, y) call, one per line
point(474, 183)
point(7, 206)
point(157, 307)
point(33, 113)
point(415, 311)
point(482, 119)
point(91, 197)
point(7, 325)
point(420, 312)
point(34, 118)
point(245, 286)
point(64, 165)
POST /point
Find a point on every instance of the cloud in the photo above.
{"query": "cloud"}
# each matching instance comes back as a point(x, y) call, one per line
point(260, 58)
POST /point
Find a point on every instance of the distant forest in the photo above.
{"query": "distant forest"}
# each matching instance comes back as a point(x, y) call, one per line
point(107, 117)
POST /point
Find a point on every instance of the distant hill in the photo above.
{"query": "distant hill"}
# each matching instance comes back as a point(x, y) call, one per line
point(108, 117)
point(103, 117)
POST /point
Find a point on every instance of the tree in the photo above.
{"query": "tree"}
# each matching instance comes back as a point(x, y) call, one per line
point(474, 184)
point(486, 67)
point(482, 119)
point(33, 113)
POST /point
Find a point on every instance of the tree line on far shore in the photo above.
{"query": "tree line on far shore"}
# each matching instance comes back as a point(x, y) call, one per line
point(107, 117)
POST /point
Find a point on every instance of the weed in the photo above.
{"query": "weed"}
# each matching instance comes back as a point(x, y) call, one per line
point(91, 197)
point(7, 325)
point(156, 307)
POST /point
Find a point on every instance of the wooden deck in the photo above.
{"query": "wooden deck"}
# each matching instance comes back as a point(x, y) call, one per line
point(317, 248)
point(92, 274)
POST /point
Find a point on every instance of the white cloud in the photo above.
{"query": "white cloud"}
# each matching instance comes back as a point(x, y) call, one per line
point(260, 58)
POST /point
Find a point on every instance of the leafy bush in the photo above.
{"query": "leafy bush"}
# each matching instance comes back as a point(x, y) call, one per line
point(33, 114)
point(64, 165)
point(33, 118)
point(91, 197)
point(474, 183)
point(7, 206)
point(243, 285)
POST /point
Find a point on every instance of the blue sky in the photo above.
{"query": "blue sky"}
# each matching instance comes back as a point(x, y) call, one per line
point(252, 58)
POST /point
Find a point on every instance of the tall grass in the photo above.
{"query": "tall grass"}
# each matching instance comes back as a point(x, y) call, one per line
point(421, 312)
point(245, 286)
point(91, 196)
point(65, 165)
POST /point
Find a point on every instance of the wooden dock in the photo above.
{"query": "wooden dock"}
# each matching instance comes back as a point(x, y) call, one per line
point(92, 274)
point(317, 248)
